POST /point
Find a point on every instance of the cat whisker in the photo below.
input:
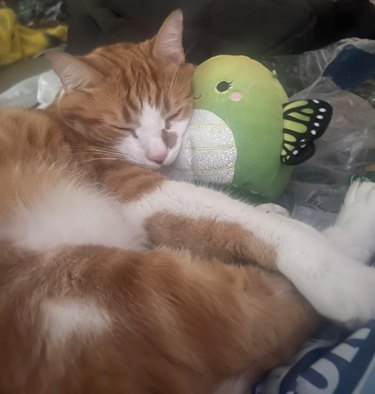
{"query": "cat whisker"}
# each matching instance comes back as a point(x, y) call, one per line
point(179, 65)
point(98, 159)
point(191, 47)
point(114, 154)
point(174, 78)
point(83, 150)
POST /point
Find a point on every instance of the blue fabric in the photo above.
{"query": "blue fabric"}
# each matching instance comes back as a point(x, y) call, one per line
point(335, 361)
point(351, 67)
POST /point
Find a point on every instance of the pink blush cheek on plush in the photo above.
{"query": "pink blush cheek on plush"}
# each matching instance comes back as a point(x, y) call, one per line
point(235, 96)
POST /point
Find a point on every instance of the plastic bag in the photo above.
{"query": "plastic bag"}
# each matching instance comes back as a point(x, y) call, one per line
point(23, 94)
point(297, 72)
point(49, 86)
point(318, 186)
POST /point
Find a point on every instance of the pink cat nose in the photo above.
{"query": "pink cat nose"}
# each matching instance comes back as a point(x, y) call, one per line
point(158, 158)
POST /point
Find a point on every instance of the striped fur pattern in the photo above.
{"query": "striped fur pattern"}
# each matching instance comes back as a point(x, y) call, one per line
point(137, 98)
point(114, 279)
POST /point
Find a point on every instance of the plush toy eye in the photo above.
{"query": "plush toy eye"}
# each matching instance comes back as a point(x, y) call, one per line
point(223, 86)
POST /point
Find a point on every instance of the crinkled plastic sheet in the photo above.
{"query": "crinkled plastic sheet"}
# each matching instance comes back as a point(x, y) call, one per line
point(318, 186)
point(311, 65)
point(22, 94)
point(297, 72)
point(49, 86)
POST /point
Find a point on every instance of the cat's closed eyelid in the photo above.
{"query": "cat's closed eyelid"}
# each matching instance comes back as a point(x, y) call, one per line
point(172, 118)
point(128, 129)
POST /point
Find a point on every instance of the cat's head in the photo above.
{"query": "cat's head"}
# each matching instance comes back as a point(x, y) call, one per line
point(134, 100)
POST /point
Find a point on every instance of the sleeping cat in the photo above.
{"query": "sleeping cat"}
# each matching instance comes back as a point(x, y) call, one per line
point(117, 280)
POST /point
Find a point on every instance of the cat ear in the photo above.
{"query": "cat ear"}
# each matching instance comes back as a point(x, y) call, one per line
point(73, 73)
point(168, 41)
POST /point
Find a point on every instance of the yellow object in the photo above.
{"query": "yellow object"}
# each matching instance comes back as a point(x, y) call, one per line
point(18, 41)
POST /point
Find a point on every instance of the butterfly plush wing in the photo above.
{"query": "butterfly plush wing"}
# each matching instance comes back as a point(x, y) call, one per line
point(304, 122)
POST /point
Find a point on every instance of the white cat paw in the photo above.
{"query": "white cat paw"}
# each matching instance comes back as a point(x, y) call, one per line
point(354, 230)
point(342, 292)
point(334, 283)
point(350, 299)
point(273, 208)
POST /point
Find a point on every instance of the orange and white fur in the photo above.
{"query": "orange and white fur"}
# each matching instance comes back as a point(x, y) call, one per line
point(114, 279)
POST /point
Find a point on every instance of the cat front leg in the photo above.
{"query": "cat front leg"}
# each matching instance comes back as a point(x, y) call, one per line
point(354, 230)
point(205, 221)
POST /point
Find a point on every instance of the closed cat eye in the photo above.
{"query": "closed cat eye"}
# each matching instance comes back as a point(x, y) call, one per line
point(128, 129)
point(172, 118)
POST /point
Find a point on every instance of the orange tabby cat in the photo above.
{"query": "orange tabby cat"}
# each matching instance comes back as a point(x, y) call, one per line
point(114, 279)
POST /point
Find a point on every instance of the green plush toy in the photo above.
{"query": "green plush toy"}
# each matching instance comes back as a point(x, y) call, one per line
point(243, 132)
